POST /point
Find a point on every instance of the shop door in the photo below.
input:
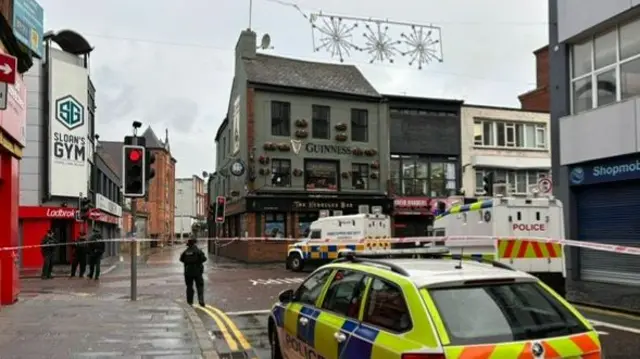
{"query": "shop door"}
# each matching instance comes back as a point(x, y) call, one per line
point(609, 214)
point(62, 231)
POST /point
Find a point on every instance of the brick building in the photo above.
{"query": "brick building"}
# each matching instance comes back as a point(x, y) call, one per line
point(538, 98)
point(155, 213)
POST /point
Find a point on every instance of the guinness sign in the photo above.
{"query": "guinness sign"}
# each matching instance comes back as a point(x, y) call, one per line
point(327, 149)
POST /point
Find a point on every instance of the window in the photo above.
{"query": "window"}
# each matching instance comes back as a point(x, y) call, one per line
point(510, 134)
point(280, 118)
point(281, 173)
point(309, 291)
point(320, 121)
point(519, 181)
point(503, 313)
point(359, 125)
point(304, 221)
point(386, 307)
point(344, 295)
point(360, 175)
point(316, 234)
point(276, 225)
point(321, 175)
point(423, 177)
point(606, 68)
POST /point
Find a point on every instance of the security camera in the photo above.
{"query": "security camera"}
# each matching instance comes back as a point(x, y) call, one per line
point(136, 124)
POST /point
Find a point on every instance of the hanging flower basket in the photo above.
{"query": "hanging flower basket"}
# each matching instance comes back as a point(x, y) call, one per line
point(345, 174)
point(341, 137)
point(357, 151)
point(370, 152)
point(284, 147)
point(302, 133)
point(263, 160)
point(375, 165)
point(340, 127)
point(301, 123)
point(373, 175)
point(270, 146)
point(263, 171)
point(297, 172)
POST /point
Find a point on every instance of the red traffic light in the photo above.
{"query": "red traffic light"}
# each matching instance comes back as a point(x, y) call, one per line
point(135, 155)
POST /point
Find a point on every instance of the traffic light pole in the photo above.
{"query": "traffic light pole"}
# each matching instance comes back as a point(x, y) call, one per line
point(134, 242)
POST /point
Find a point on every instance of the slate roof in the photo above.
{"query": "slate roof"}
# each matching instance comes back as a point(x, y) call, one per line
point(294, 73)
point(112, 150)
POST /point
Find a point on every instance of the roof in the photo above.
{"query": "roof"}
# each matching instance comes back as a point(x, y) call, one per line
point(152, 140)
point(431, 272)
point(319, 76)
point(70, 41)
point(113, 151)
point(417, 100)
point(223, 125)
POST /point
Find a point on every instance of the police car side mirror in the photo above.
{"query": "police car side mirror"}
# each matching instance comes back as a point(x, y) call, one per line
point(286, 296)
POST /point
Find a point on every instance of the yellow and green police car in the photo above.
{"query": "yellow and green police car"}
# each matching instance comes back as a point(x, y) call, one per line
point(426, 308)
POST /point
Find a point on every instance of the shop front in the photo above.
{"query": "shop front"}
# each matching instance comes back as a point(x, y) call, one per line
point(414, 216)
point(34, 224)
point(109, 222)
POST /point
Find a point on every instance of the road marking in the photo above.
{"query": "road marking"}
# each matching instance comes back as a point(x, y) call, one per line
point(615, 326)
point(233, 345)
point(238, 334)
point(276, 281)
point(248, 312)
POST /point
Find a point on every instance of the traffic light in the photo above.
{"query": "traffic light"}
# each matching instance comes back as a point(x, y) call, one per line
point(133, 171)
point(150, 159)
point(488, 184)
point(85, 207)
point(220, 207)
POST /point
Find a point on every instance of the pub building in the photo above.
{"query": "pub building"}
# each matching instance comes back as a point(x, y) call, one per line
point(300, 140)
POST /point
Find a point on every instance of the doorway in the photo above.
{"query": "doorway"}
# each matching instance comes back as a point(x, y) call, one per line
point(62, 230)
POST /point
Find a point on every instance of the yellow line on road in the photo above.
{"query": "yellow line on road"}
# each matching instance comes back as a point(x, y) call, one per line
point(606, 312)
point(243, 341)
point(233, 345)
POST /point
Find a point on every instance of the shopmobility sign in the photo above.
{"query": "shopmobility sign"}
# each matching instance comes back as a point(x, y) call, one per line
point(68, 129)
point(610, 170)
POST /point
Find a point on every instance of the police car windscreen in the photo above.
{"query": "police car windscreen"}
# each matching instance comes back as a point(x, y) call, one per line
point(503, 313)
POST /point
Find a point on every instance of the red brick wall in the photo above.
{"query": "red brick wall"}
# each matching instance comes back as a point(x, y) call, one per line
point(538, 99)
point(542, 68)
point(255, 251)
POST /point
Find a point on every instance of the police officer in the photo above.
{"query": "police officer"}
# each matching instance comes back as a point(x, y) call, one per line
point(80, 256)
point(193, 259)
point(48, 250)
point(96, 250)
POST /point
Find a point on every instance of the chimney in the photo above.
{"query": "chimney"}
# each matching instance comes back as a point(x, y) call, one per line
point(246, 46)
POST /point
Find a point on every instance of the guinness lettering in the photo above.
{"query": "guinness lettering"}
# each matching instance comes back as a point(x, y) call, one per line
point(331, 149)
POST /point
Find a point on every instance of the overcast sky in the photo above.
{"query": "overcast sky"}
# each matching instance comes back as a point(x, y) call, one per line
point(169, 63)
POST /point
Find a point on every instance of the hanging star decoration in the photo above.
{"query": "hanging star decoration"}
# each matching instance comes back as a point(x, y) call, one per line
point(382, 40)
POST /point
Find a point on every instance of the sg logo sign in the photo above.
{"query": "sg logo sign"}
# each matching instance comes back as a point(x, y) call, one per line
point(69, 112)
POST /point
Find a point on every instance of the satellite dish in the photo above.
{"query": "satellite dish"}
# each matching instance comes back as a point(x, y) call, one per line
point(265, 43)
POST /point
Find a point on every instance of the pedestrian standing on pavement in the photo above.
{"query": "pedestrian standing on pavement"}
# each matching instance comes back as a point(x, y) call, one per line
point(48, 250)
point(193, 259)
point(96, 250)
point(79, 256)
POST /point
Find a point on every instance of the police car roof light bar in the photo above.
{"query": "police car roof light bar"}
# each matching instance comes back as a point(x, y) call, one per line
point(350, 257)
point(477, 259)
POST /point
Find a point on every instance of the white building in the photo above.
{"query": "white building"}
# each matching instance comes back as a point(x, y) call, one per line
point(190, 204)
point(511, 143)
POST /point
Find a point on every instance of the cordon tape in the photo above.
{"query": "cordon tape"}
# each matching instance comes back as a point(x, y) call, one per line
point(221, 242)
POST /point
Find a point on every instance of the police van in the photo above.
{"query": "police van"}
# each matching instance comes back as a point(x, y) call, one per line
point(504, 228)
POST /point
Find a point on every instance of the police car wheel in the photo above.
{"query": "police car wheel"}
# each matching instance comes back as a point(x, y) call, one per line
point(295, 262)
point(275, 345)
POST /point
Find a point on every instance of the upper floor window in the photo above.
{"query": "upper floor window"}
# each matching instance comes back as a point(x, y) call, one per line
point(360, 175)
point(359, 125)
point(518, 181)
point(280, 118)
point(281, 172)
point(423, 177)
point(321, 175)
point(321, 121)
point(507, 134)
point(606, 67)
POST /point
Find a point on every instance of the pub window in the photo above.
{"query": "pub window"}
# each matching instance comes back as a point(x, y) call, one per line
point(281, 173)
point(321, 175)
point(360, 176)
point(320, 120)
point(276, 225)
point(280, 118)
point(359, 125)
point(304, 222)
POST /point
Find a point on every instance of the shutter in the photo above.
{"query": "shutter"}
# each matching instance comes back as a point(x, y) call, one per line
point(609, 214)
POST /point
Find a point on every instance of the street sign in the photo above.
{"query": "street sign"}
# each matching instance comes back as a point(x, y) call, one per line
point(8, 68)
point(4, 93)
point(544, 185)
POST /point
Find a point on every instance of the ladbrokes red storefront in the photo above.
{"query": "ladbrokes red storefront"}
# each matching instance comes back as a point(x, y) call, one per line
point(36, 221)
point(413, 216)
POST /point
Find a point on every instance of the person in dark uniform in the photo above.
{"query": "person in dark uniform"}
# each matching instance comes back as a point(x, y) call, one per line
point(79, 256)
point(193, 259)
point(96, 250)
point(48, 250)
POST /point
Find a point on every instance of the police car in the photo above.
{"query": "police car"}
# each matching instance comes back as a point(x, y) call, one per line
point(439, 307)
